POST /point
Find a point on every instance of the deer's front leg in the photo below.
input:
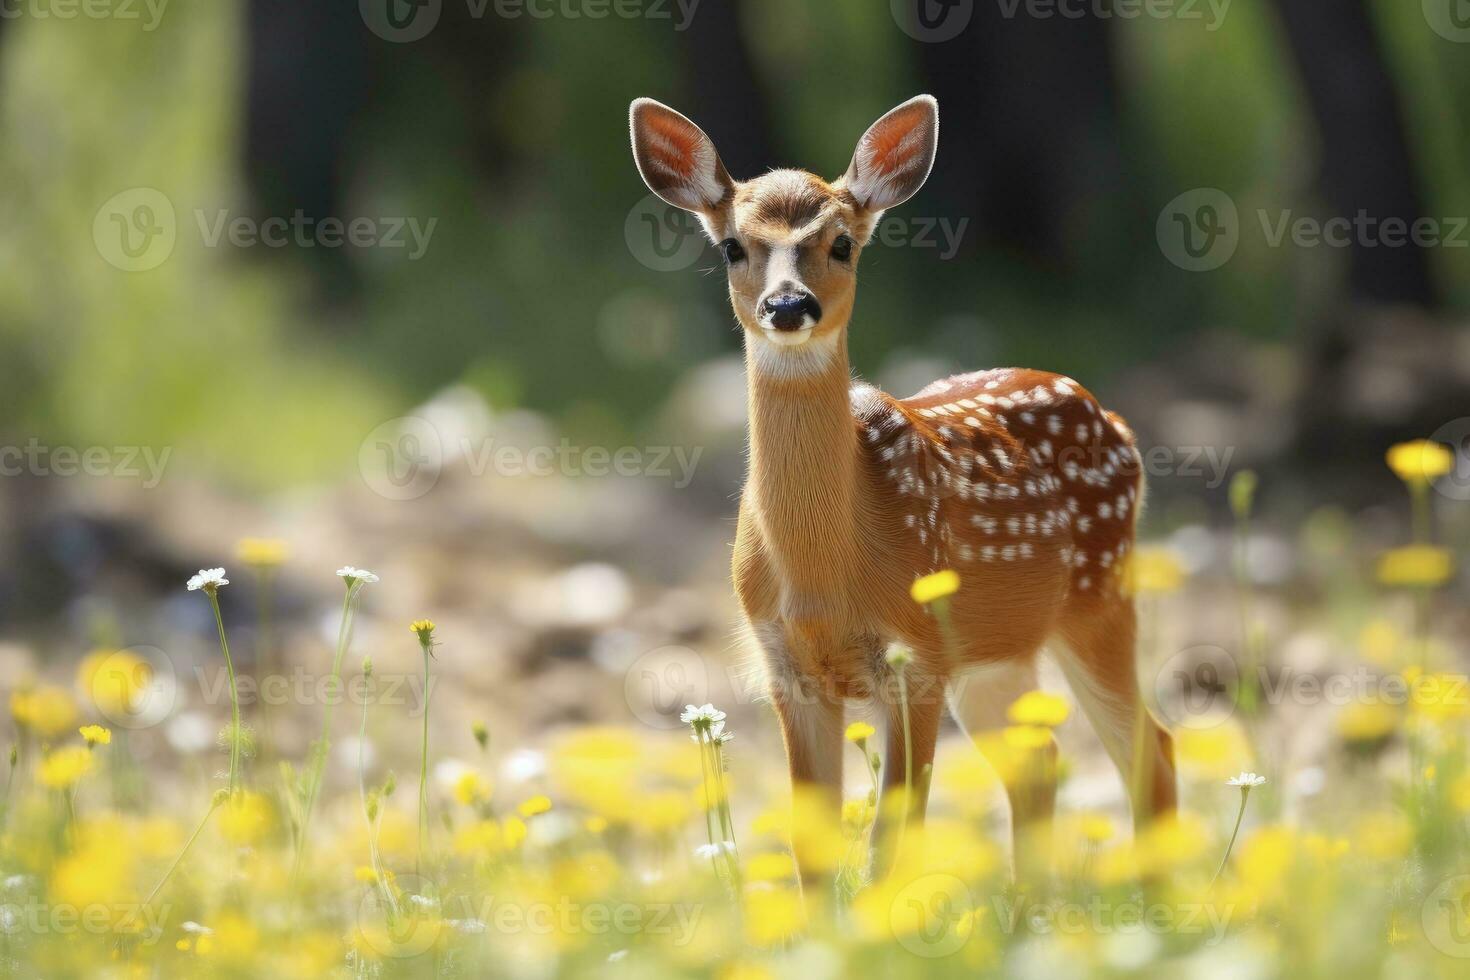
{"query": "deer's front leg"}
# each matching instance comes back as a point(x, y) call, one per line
point(914, 709)
point(811, 727)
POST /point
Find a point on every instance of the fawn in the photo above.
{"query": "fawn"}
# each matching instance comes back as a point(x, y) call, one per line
point(1017, 479)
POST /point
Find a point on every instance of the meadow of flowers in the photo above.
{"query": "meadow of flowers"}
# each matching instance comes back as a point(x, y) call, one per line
point(628, 850)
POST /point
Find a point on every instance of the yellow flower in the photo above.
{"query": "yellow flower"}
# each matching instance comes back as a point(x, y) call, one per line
point(246, 818)
point(1379, 641)
point(1027, 736)
point(1418, 565)
point(1420, 461)
point(533, 806)
point(772, 915)
point(96, 735)
point(1439, 697)
point(513, 831)
point(859, 731)
point(1152, 571)
point(774, 866)
point(261, 552)
point(46, 710)
point(1365, 723)
point(114, 680)
point(424, 628)
point(1038, 708)
point(936, 586)
point(469, 789)
point(64, 767)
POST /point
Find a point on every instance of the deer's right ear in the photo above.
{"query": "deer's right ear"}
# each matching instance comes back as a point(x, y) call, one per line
point(677, 161)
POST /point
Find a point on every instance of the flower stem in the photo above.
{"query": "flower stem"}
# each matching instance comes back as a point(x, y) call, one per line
point(373, 854)
point(213, 805)
point(1245, 792)
point(424, 767)
point(235, 733)
point(319, 750)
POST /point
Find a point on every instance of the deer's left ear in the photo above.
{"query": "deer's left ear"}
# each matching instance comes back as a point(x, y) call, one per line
point(678, 162)
point(894, 157)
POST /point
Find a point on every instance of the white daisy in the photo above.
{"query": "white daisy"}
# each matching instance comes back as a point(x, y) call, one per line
point(208, 579)
point(708, 851)
point(706, 714)
point(197, 929)
point(355, 575)
point(1245, 780)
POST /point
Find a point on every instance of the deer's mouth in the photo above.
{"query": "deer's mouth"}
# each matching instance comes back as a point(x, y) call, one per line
point(788, 335)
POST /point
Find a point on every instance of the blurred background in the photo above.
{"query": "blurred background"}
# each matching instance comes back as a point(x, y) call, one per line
point(379, 281)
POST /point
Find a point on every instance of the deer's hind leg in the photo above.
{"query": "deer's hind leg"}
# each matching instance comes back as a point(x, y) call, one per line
point(978, 699)
point(1097, 655)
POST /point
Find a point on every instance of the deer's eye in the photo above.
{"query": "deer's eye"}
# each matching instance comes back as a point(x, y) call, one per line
point(842, 248)
point(732, 251)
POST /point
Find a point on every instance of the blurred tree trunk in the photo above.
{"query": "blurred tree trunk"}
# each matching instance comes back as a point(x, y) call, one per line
point(306, 81)
point(1366, 163)
point(1030, 125)
point(725, 97)
point(1354, 397)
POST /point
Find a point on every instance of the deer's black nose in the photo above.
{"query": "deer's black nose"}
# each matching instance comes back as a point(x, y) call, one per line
point(788, 311)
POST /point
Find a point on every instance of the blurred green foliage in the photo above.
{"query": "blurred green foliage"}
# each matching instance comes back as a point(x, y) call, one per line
point(529, 292)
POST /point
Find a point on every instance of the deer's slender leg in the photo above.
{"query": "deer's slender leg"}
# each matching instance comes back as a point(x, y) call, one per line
point(979, 700)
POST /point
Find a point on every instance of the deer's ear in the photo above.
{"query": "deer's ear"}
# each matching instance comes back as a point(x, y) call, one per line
point(677, 161)
point(893, 158)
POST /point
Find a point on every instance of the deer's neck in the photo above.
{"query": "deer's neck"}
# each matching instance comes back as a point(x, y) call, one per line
point(803, 458)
